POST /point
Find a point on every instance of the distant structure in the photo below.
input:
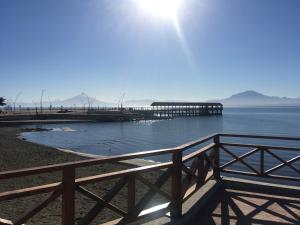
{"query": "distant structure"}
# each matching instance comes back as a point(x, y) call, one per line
point(186, 109)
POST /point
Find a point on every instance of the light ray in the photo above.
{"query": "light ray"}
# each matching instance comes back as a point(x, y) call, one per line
point(184, 44)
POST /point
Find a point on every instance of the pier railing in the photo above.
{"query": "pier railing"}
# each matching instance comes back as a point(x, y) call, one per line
point(185, 172)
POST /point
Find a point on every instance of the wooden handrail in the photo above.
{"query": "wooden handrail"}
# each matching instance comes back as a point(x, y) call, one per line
point(83, 163)
point(197, 142)
point(122, 173)
point(79, 181)
point(205, 164)
point(91, 162)
point(25, 192)
point(260, 137)
point(198, 152)
point(260, 146)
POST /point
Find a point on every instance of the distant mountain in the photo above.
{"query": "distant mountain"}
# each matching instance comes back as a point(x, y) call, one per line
point(253, 98)
point(79, 100)
point(85, 100)
point(244, 99)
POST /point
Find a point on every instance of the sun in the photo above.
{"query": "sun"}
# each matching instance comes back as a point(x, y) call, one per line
point(165, 9)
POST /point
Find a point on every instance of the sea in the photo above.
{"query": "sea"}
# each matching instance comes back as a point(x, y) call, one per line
point(116, 138)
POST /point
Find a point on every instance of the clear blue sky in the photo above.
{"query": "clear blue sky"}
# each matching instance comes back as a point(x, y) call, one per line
point(108, 47)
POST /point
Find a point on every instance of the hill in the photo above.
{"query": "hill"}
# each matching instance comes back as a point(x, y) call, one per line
point(253, 98)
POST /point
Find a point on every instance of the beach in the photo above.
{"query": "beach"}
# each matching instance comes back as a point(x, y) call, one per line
point(18, 154)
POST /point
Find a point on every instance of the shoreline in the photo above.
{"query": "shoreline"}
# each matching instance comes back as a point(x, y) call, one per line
point(19, 154)
point(134, 162)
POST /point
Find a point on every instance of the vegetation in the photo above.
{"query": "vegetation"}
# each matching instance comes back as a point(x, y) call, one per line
point(2, 101)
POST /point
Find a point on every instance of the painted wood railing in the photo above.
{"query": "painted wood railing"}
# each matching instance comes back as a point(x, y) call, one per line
point(187, 173)
point(264, 151)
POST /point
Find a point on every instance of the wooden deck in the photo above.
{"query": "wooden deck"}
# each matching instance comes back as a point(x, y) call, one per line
point(189, 173)
point(242, 205)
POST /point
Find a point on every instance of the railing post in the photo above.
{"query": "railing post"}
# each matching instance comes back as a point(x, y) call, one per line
point(176, 204)
point(216, 166)
point(200, 170)
point(131, 194)
point(68, 196)
point(262, 161)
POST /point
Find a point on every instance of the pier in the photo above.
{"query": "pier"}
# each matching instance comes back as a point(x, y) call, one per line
point(186, 109)
point(157, 110)
point(201, 187)
point(179, 109)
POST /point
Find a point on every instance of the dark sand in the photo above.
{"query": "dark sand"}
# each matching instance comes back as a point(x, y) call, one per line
point(18, 154)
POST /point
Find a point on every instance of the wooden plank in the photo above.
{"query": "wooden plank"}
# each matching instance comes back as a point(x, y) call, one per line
point(201, 167)
point(284, 163)
point(141, 205)
point(203, 173)
point(266, 176)
point(118, 174)
point(68, 196)
point(284, 177)
point(189, 172)
point(83, 163)
point(131, 194)
point(188, 179)
point(31, 212)
point(260, 146)
point(176, 204)
point(90, 216)
point(240, 160)
point(260, 137)
point(90, 162)
point(197, 142)
point(96, 198)
point(20, 193)
point(240, 157)
point(216, 161)
point(198, 152)
point(239, 172)
point(262, 161)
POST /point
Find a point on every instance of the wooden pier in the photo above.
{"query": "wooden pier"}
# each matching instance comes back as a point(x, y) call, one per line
point(188, 174)
point(180, 109)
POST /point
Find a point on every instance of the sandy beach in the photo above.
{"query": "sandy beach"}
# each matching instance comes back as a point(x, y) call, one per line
point(18, 154)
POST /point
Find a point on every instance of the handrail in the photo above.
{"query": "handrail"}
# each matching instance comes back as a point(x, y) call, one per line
point(197, 142)
point(83, 163)
point(199, 166)
point(260, 146)
point(260, 137)
point(91, 162)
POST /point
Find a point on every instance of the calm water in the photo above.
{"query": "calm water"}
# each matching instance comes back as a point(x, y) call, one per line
point(125, 137)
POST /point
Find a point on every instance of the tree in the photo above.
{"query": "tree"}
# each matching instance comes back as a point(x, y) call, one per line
point(2, 101)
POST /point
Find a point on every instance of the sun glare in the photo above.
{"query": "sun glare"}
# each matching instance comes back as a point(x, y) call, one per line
point(166, 9)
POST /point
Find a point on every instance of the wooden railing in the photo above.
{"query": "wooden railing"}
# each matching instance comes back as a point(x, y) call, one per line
point(262, 152)
point(186, 172)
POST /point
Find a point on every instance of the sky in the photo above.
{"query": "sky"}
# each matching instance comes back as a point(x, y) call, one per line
point(209, 49)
